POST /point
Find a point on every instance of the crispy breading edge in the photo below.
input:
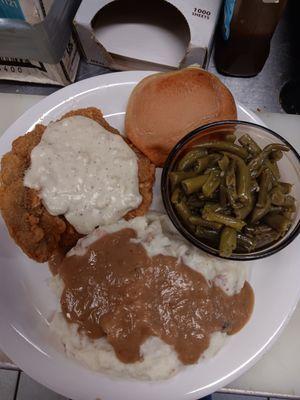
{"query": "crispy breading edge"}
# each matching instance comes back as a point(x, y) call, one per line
point(38, 233)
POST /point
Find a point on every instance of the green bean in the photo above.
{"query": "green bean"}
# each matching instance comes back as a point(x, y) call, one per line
point(276, 155)
point(285, 187)
point(264, 188)
point(245, 243)
point(289, 203)
point(266, 239)
point(212, 183)
point(254, 230)
point(275, 147)
point(223, 195)
point(176, 196)
point(259, 212)
point(254, 187)
point(203, 163)
point(230, 181)
point(276, 209)
point(214, 197)
point(278, 222)
point(243, 179)
point(256, 163)
point(183, 211)
point(224, 163)
point(243, 212)
point(230, 138)
point(215, 207)
point(223, 219)
point(274, 179)
point(192, 185)
point(228, 241)
point(224, 146)
point(273, 167)
point(251, 146)
point(193, 201)
point(178, 176)
point(238, 205)
point(277, 197)
point(288, 214)
point(195, 220)
point(214, 168)
point(189, 159)
point(233, 201)
point(207, 235)
point(259, 172)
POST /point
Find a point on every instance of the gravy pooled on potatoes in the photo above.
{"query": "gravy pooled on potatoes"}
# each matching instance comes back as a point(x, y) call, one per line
point(116, 290)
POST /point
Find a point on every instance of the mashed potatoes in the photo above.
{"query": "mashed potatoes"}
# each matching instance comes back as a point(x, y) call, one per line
point(160, 361)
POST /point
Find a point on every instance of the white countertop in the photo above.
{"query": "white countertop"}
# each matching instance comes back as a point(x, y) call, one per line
point(278, 371)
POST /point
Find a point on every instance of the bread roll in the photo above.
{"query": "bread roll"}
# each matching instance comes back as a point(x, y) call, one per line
point(164, 107)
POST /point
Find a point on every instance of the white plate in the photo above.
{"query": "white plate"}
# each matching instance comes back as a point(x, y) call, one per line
point(26, 302)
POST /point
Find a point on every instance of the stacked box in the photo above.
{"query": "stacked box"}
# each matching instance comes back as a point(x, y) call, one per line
point(37, 44)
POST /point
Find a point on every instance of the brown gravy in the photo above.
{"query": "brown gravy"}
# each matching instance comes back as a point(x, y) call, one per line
point(55, 261)
point(117, 290)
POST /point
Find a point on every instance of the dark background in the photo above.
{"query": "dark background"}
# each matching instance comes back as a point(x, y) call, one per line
point(261, 92)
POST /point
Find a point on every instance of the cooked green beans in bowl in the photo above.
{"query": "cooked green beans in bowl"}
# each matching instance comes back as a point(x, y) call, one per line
point(231, 188)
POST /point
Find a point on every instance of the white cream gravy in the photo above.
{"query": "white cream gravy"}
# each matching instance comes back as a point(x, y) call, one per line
point(85, 173)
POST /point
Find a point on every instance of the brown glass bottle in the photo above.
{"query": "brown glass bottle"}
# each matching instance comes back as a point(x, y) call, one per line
point(243, 41)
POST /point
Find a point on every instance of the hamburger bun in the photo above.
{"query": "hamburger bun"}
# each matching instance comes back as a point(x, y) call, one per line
point(164, 107)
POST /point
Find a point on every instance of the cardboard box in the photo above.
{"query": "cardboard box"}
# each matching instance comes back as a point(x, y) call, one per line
point(133, 34)
point(31, 11)
point(26, 70)
point(36, 29)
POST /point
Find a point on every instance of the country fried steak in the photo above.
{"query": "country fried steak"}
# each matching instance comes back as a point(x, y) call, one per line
point(38, 233)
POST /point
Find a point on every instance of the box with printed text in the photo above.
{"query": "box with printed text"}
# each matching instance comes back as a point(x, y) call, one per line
point(132, 34)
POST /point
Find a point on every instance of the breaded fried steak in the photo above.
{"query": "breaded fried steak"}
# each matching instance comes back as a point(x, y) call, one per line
point(34, 229)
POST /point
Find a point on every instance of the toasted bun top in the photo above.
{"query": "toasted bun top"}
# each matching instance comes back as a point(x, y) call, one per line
point(164, 107)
